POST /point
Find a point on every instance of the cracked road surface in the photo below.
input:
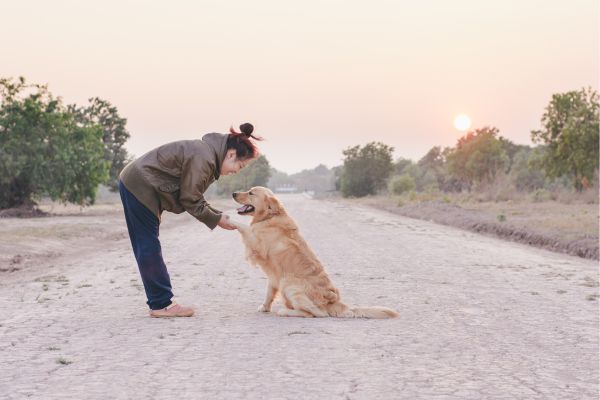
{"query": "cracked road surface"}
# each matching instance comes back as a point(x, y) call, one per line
point(479, 318)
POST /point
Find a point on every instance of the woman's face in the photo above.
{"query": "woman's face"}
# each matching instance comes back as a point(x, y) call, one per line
point(231, 164)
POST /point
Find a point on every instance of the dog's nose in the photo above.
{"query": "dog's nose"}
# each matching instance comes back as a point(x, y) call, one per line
point(234, 194)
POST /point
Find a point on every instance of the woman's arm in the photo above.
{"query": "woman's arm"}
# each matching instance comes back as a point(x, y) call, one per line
point(196, 173)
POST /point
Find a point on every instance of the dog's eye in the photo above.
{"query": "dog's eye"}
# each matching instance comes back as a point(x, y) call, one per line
point(250, 193)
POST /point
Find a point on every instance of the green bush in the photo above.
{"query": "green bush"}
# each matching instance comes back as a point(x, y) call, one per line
point(400, 184)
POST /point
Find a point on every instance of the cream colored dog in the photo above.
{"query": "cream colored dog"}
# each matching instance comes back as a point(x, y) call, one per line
point(274, 243)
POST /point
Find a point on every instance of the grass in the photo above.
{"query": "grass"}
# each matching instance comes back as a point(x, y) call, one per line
point(84, 285)
point(590, 282)
point(63, 361)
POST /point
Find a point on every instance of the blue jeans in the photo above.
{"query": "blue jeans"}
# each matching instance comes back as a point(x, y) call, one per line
point(143, 226)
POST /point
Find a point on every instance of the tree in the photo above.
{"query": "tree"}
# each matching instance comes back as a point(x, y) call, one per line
point(318, 179)
point(279, 179)
point(570, 131)
point(449, 182)
point(257, 173)
point(433, 169)
point(402, 165)
point(366, 169)
point(114, 134)
point(434, 159)
point(477, 157)
point(338, 171)
point(524, 175)
point(44, 150)
point(512, 150)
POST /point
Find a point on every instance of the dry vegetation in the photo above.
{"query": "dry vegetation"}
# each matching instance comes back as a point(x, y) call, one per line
point(557, 220)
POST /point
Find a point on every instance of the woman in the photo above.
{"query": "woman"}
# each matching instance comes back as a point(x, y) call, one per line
point(174, 177)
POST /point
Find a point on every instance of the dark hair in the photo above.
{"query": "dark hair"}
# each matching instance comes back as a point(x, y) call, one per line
point(240, 141)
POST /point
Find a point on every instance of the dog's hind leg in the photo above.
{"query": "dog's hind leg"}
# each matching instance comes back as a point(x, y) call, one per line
point(301, 302)
point(287, 312)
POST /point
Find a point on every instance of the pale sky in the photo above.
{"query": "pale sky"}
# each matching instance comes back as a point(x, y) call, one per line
point(314, 77)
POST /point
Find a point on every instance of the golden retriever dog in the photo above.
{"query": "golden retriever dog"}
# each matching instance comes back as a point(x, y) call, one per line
point(274, 243)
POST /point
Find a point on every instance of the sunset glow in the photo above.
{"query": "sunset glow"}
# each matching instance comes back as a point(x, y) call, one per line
point(313, 77)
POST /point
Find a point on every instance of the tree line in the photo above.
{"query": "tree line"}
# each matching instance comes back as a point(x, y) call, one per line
point(65, 152)
point(567, 153)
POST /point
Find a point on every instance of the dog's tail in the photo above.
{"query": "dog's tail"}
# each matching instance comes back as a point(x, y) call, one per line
point(372, 312)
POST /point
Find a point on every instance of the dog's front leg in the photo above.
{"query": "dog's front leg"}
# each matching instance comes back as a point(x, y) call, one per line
point(250, 241)
point(270, 296)
point(247, 234)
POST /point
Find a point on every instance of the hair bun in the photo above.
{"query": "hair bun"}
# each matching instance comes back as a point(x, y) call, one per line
point(247, 129)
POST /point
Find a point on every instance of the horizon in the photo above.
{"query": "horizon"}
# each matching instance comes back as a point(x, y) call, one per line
point(313, 78)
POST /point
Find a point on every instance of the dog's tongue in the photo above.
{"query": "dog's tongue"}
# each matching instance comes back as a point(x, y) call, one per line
point(245, 208)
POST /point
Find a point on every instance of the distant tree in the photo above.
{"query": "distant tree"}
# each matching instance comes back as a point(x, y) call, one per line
point(321, 170)
point(511, 149)
point(434, 169)
point(337, 176)
point(434, 159)
point(402, 165)
point(406, 166)
point(477, 157)
point(44, 150)
point(114, 134)
point(447, 181)
point(523, 173)
point(279, 179)
point(257, 173)
point(570, 132)
point(318, 179)
point(366, 169)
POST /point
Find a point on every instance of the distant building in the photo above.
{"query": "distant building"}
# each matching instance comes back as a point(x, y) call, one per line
point(286, 189)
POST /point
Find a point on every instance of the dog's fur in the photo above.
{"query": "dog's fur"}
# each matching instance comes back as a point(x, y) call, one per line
point(274, 243)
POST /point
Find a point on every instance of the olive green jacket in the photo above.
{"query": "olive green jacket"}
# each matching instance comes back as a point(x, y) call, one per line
point(174, 177)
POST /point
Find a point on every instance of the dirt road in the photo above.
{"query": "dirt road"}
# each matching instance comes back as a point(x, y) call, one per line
point(480, 318)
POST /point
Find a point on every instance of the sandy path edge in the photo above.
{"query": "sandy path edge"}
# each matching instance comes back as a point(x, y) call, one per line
point(474, 221)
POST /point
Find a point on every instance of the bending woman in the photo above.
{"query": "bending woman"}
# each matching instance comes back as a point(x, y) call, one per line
point(174, 177)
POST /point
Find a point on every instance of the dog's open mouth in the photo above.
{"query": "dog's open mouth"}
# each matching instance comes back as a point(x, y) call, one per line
point(245, 209)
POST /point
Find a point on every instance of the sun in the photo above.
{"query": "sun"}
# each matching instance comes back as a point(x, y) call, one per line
point(462, 122)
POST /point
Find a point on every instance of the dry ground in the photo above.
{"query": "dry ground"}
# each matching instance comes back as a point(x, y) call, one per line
point(570, 228)
point(480, 318)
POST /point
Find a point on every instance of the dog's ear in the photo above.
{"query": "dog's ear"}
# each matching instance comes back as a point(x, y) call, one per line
point(273, 205)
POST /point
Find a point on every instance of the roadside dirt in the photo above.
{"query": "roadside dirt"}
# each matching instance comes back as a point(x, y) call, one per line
point(564, 228)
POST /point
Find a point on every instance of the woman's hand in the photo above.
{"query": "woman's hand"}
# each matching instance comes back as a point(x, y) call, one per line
point(225, 223)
